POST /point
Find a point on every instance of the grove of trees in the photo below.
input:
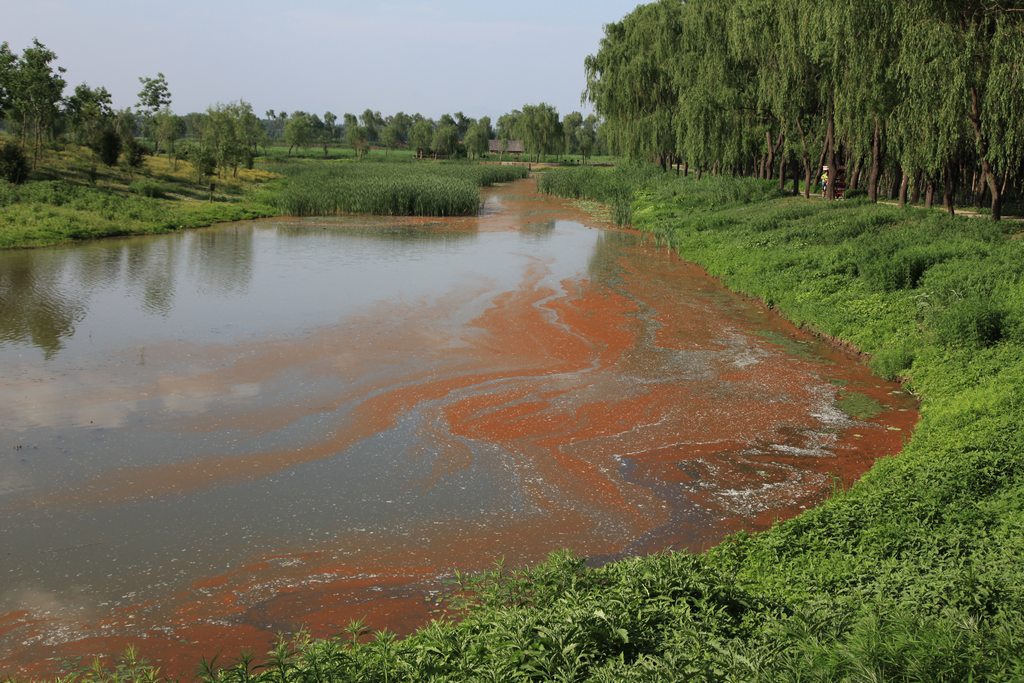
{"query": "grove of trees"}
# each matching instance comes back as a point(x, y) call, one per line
point(919, 96)
point(36, 109)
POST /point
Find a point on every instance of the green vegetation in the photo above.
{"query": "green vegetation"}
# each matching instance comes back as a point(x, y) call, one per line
point(859, 406)
point(403, 189)
point(918, 97)
point(50, 212)
point(72, 197)
point(75, 199)
point(618, 186)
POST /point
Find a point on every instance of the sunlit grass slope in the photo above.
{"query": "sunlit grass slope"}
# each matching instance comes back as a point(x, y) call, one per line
point(71, 198)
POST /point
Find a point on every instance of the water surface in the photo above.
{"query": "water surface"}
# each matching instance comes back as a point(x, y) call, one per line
point(213, 436)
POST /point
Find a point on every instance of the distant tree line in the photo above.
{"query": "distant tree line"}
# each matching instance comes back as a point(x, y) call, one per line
point(36, 109)
point(539, 127)
point(918, 96)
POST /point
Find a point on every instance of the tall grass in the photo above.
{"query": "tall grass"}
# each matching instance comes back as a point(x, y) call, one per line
point(612, 186)
point(390, 189)
point(621, 186)
point(66, 206)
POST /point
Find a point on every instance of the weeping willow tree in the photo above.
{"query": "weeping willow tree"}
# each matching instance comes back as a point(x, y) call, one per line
point(999, 131)
point(925, 93)
point(719, 123)
point(865, 38)
point(768, 35)
point(631, 82)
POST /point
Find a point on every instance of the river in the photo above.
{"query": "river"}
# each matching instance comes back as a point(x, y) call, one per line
point(213, 436)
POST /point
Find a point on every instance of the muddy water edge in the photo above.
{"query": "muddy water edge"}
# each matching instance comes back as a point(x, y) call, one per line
point(213, 437)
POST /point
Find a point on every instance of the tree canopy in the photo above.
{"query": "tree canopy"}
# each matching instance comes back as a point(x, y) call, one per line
point(922, 92)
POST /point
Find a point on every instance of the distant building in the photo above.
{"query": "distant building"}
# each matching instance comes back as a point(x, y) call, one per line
point(501, 147)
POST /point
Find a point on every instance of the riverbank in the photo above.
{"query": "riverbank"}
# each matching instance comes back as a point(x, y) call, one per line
point(914, 572)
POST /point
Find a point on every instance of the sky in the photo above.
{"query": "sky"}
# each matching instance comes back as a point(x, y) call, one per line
point(474, 56)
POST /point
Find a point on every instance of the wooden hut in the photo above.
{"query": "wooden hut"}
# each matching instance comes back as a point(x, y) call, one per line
point(499, 147)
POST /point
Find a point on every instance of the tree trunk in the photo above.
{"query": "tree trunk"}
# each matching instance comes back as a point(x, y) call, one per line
point(876, 161)
point(929, 195)
point(915, 193)
point(904, 183)
point(830, 146)
point(982, 145)
point(807, 176)
point(947, 190)
point(686, 169)
point(993, 188)
point(855, 178)
point(780, 147)
point(782, 172)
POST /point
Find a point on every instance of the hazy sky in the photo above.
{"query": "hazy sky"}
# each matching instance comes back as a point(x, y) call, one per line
point(474, 56)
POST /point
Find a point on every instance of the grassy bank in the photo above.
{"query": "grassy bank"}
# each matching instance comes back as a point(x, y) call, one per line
point(69, 197)
point(912, 574)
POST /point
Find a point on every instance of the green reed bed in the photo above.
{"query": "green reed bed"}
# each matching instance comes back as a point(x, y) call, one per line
point(612, 186)
point(390, 189)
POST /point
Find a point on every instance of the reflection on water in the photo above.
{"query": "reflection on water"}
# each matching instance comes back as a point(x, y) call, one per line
point(221, 260)
point(36, 307)
point(211, 436)
point(47, 296)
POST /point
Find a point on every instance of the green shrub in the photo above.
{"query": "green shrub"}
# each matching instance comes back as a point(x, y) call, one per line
point(613, 186)
point(108, 146)
point(134, 153)
point(902, 269)
point(202, 159)
point(974, 322)
point(893, 361)
point(147, 188)
point(13, 163)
